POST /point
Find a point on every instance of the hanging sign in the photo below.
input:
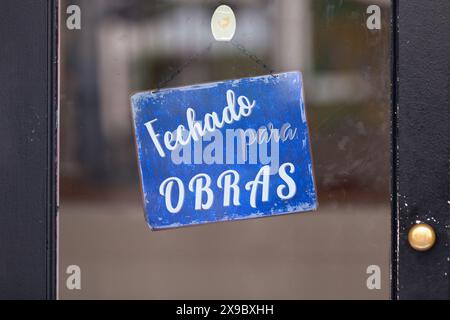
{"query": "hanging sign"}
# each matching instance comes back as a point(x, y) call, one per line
point(228, 150)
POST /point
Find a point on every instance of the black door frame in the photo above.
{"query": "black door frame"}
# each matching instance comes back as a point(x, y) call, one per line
point(421, 121)
point(28, 136)
point(28, 154)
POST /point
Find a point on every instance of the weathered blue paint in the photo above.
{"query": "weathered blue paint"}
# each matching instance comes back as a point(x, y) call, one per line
point(278, 100)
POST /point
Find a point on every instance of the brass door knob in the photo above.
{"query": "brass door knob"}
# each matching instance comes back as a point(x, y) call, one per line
point(422, 237)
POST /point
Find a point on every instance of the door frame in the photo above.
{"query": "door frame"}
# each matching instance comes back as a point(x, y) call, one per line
point(28, 156)
point(29, 130)
point(420, 168)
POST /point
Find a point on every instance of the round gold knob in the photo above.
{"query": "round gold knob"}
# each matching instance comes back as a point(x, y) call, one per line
point(422, 237)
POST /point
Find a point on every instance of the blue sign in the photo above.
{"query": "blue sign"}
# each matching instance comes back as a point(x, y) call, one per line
point(228, 150)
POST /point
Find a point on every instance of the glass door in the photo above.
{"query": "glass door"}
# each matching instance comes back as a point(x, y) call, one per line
point(110, 50)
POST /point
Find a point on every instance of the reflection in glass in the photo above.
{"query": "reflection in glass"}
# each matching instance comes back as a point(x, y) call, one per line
point(129, 46)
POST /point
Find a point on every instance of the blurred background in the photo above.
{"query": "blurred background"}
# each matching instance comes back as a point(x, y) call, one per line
point(125, 46)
